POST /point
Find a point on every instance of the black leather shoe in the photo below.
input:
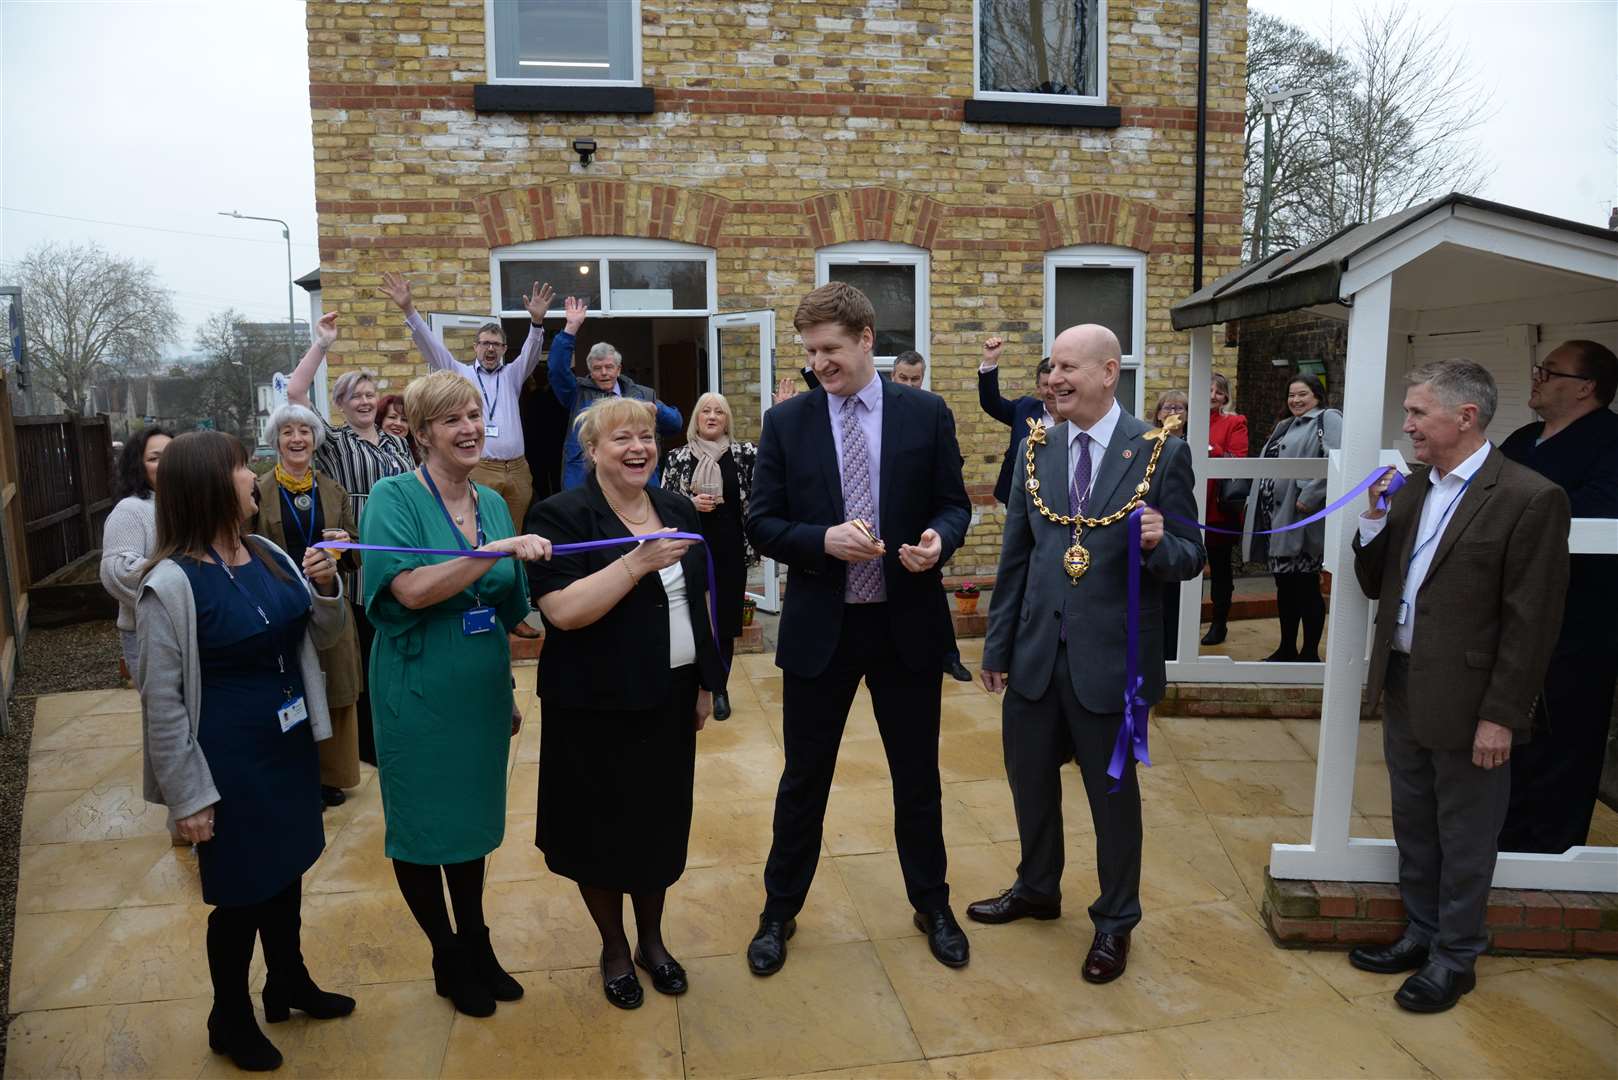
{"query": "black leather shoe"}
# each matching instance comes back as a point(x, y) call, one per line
point(236, 1035)
point(1434, 989)
point(1009, 907)
point(624, 990)
point(667, 977)
point(486, 966)
point(1215, 634)
point(1402, 955)
point(332, 796)
point(958, 670)
point(1109, 954)
point(721, 706)
point(944, 937)
point(768, 949)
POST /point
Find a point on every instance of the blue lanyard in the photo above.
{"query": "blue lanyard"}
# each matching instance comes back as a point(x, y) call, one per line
point(494, 407)
point(456, 529)
point(1438, 529)
point(308, 533)
point(280, 658)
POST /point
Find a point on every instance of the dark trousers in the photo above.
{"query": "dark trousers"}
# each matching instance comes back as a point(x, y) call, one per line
point(278, 923)
point(814, 713)
point(1298, 601)
point(1556, 776)
point(1221, 579)
point(1447, 814)
point(362, 707)
point(1039, 736)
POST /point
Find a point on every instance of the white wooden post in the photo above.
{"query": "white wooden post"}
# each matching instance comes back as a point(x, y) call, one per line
point(1196, 434)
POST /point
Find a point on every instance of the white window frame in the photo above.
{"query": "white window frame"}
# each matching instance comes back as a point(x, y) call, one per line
point(875, 253)
point(1099, 98)
point(602, 250)
point(1103, 256)
point(489, 54)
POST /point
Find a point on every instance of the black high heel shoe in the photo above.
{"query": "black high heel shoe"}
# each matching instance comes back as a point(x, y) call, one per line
point(624, 990)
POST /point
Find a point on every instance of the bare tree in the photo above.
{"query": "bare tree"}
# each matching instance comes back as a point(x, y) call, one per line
point(1386, 123)
point(91, 315)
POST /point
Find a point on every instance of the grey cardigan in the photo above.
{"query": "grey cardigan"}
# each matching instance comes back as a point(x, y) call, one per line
point(1303, 436)
point(127, 542)
point(170, 677)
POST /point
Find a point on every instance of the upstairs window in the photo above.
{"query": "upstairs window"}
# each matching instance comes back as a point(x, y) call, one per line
point(1041, 50)
point(564, 42)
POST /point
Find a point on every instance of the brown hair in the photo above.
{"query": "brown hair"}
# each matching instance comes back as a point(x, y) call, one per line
point(836, 302)
point(198, 469)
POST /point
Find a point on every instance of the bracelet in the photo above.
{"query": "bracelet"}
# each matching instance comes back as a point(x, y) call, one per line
point(623, 560)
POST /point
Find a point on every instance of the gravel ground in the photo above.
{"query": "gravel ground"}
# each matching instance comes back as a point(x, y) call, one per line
point(83, 657)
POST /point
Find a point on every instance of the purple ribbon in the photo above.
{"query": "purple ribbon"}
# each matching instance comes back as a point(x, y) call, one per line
point(562, 549)
point(1132, 732)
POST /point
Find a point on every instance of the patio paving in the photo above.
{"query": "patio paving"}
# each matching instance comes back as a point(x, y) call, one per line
point(109, 975)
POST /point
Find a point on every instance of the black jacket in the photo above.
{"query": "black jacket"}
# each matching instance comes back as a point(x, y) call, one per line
point(798, 495)
point(621, 661)
point(1014, 413)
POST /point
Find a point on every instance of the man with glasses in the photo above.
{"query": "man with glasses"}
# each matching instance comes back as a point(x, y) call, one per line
point(1556, 777)
point(504, 466)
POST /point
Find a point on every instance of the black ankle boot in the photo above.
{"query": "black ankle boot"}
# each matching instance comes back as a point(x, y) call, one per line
point(285, 994)
point(486, 968)
point(454, 978)
point(1215, 634)
point(234, 1033)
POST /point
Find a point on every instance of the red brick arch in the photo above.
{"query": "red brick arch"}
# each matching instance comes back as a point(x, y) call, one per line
point(601, 208)
point(872, 213)
point(1093, 217)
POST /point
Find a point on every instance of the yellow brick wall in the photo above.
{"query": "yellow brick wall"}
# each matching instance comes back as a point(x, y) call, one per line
point(779, 127)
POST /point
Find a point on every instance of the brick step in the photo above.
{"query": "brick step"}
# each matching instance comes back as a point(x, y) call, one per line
point(1522, 922)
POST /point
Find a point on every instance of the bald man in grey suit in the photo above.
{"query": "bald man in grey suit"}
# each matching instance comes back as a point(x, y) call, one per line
point(1057, 646)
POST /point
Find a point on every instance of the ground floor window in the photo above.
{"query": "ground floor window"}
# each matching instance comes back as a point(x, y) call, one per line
point(895, 277)
point(1106, 285)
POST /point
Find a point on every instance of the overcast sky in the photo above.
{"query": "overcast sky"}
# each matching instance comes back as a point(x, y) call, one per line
point(159, 114)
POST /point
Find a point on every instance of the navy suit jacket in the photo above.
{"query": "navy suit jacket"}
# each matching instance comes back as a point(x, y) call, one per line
point(1015, 413)
point(798, 495)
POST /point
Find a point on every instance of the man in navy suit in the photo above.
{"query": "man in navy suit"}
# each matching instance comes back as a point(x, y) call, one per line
point(858, 491)
point(1015, 413)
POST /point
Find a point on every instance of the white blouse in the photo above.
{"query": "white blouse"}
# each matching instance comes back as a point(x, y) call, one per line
point(682, 646)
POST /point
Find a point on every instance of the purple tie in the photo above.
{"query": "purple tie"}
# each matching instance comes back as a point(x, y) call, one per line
point(1078, 493)
point(864, 579)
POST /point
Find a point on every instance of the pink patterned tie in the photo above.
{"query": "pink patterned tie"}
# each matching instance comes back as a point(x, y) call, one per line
point(864, 579)
point(1078, 494)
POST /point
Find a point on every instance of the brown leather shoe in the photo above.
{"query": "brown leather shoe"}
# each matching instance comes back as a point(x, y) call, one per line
point(1109, 953)
point(1009, 907)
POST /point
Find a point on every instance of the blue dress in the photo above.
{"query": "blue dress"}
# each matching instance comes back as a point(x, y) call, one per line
point(267, 826)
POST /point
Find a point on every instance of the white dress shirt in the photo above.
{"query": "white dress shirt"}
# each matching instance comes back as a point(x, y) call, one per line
point(1100, 435)
point(1436, 511)
point(869, 418)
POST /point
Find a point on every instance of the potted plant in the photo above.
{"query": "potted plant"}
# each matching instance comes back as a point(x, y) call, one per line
point(749, 605)
point(966, 598)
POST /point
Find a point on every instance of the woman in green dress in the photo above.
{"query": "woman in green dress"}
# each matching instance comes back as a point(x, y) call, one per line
point(441, 680)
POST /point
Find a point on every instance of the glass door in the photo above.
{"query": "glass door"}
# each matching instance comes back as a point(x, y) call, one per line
point(741, 366)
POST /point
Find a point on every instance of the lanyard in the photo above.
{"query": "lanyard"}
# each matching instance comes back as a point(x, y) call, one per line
point(1438, 529)
point(456, 529)
point(280, 658)
point(308, 533)
point(494, 406)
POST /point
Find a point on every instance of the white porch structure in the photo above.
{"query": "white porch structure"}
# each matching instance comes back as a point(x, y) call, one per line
point(1456, 276)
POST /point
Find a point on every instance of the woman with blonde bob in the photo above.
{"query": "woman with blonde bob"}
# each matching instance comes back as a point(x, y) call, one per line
point(625, 683)
point(441, 669)
point(716, 473)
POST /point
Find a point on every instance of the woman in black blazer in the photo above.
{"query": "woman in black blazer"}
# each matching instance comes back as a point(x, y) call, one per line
point(626, 681)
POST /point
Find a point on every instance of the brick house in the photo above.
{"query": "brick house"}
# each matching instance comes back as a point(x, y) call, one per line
point(971, 179)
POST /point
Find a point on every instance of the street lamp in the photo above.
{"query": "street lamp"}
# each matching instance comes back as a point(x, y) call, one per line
point(1269, 100)
point(286, 234)
point(252, 402)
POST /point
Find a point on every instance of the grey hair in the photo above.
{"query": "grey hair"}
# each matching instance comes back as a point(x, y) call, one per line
point(1458, 382)
point(347, 381)
point(1224, 388)
point(600, 349)
point(293, 413)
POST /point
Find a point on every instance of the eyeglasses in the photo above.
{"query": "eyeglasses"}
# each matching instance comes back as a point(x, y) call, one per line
point(1168, 407)
point(1541, 373)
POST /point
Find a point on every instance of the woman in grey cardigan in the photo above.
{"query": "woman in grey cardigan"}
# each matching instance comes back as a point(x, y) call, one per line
point(1295, 557)
point(233, 703)
point(130, 534)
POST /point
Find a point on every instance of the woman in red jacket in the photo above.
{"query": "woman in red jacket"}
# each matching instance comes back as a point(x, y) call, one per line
point(1227, 437)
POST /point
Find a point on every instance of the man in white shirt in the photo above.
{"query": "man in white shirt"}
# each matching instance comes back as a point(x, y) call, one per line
point(1469, 564)
point(505, 464)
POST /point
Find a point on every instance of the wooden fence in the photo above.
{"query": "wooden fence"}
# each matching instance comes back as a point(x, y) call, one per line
point(13, 569)
point(66, 477)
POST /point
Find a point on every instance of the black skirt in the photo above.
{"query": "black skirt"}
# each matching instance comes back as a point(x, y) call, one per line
point(615, 791)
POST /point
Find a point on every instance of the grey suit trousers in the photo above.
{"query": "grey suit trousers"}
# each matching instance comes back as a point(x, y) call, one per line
point(1447, 815)
point(1039, 737)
